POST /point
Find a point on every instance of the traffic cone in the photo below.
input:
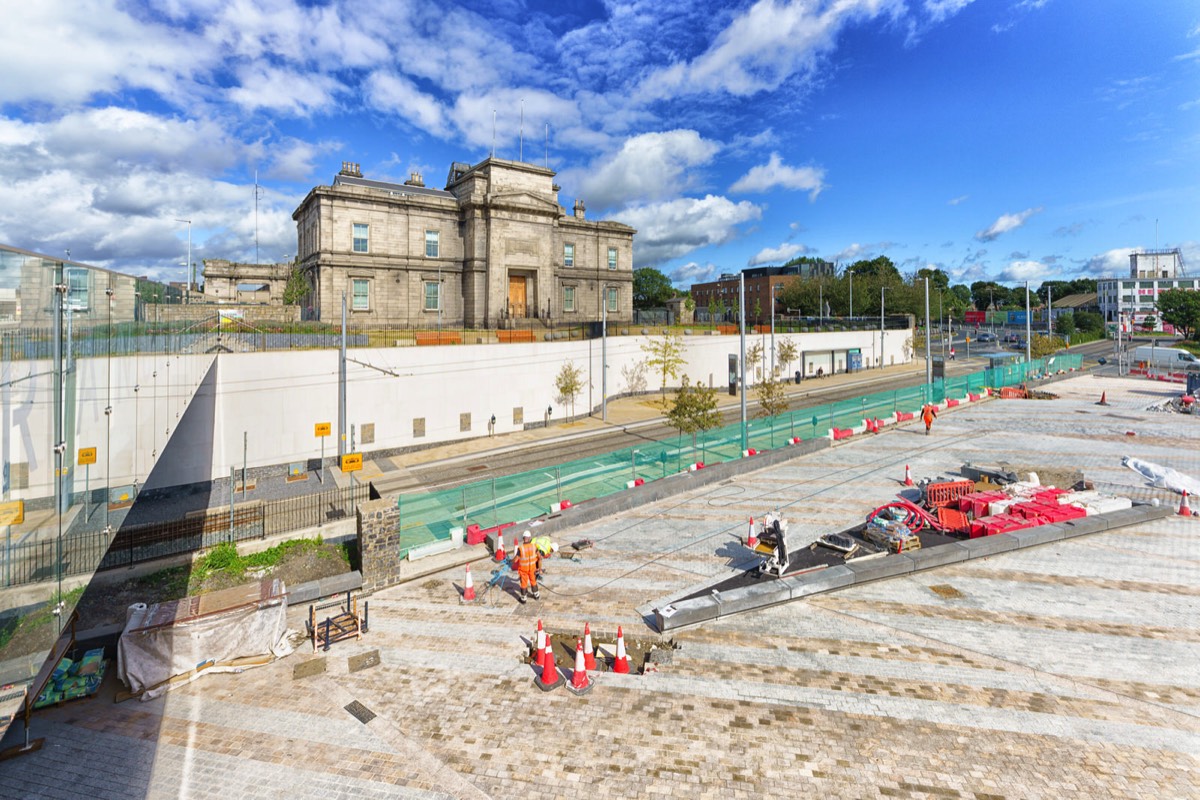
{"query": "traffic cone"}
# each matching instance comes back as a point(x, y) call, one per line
point(539, 644)
point(500, 547)
point(579, 684)
point(621, 662)
point(589, 655)
point(751, 539)
point(549, 680)
point(1185, 510)
point(468, 595)
point(1103, 399)
point(908, 481)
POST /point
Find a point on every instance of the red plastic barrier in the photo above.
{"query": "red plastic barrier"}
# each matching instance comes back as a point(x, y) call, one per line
point(1000, 523)
point(951, 403)
point(842, 433)
point(945, 494)
point(974, 397)
point(904, 416)
point(976, 503)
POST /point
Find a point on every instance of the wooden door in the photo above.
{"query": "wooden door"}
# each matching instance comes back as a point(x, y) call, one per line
point(517, 305)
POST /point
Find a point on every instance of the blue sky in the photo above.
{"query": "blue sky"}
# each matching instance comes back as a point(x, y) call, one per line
point(1016, 140)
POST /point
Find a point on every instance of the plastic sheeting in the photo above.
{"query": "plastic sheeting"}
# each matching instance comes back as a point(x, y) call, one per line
point(147, 656)
point(1163, 477)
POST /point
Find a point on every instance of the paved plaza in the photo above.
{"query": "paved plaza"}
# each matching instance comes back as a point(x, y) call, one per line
point(1068, 670)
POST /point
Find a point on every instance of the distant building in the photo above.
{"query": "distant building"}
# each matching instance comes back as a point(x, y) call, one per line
point(233, 282)
point(1133, 301)
point(763, 284)
point(492, 249)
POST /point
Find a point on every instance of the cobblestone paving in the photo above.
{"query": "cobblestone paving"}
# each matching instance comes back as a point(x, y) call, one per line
point(1069, 670)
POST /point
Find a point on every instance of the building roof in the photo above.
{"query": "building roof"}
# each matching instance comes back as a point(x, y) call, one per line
point(1083, 300)
point(390, 188)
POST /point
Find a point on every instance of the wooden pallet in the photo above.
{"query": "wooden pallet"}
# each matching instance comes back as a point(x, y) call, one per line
point(343, 625)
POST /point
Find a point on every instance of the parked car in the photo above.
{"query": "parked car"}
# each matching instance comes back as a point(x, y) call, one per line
point(984, 338)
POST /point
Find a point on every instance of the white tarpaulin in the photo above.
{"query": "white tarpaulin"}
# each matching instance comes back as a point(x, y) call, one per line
point(170, 639)
point(1163, 477)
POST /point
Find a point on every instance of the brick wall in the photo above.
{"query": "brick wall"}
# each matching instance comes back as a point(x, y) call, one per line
point(379, 544)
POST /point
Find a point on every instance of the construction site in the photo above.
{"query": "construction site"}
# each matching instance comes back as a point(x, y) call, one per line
point(1003, 607)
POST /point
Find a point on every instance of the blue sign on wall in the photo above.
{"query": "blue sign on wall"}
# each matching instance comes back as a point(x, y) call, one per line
point(854, 361)
point(1016, 317)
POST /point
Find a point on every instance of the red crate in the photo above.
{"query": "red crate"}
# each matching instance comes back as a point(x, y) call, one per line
point(953, 521)
point(944, 494)
point(976, 503)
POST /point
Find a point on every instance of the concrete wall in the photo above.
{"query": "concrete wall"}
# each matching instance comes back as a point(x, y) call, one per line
point(275, 398)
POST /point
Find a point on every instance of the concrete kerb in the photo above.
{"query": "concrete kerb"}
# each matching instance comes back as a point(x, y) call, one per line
point(873, 569)
point(939, 556)
point(989, 545)
point(819, 581)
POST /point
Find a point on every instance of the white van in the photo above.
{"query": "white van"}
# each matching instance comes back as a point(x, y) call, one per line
point(1175, 359)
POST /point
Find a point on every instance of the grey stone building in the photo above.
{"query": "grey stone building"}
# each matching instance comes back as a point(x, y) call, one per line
point(493, 249)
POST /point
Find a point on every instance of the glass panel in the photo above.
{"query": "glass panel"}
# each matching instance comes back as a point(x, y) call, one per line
point(569, 298)
point(360, 238)
point(612, 258)
point(431, 244)
point(432, 298)
point(568, 255)
point(362, 295)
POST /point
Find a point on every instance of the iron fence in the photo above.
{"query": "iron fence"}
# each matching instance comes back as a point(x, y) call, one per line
point(82, 550)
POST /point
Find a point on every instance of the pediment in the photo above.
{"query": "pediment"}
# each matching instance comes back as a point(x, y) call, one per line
point(525, 200)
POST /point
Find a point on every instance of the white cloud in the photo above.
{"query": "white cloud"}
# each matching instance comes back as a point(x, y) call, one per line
point(285, 91)
point(1006, 223)
point(292, 160)
point(66, 51)
point(694, 272)
point(777, 255)
point(473, 115)
point(941, 10)
point(860, 252)
point(676, 227)
point(775, 173)
point(648, 167)
point(1020, 271)
point(1109, 264)
point(397, 95)
point(957, 201)
point(764, 46)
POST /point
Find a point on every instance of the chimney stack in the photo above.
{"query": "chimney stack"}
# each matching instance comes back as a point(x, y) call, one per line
point(415, 179)
point(351, 168)
point(579, 209)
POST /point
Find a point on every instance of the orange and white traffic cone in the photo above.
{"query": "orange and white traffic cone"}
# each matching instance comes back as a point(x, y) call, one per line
point(751, 539)
point(539, 645)
point(468, 595)
point(579, 684)
point(1103, 399)
point(1185, 510)
point(549, 680)
point(589, 655)
point(621, 662)
point(500, 556)
point(908, 481)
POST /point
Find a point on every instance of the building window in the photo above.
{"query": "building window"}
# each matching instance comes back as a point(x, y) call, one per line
point(361, 295)
point(568, 298)
point(612, 258)
point(361, 238)
point(76, 279)
point(431, 244)
point(612, 298)
point(433, 296)
point(568, 255)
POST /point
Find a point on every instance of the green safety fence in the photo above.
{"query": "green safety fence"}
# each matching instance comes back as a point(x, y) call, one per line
point(425, 518)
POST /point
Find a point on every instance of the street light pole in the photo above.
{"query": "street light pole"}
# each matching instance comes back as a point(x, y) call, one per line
point(1049, 311)
point(773, 288)
point(928, 352)
point(882, 289)
point(850, 272)
point(188, 271)
point(1028, 331)
point(742, 363)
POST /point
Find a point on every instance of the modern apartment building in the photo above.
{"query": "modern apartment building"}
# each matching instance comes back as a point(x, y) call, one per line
point(1133, 301)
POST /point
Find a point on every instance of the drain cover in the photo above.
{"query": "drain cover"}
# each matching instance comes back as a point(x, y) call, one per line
point(306, 669)
point(360, 712)
point(363, 661)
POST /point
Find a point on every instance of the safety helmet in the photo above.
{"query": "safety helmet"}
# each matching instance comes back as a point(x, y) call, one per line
point(527, 536)
point(554, 547)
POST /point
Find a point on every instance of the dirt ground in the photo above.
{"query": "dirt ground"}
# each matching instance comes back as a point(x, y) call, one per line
point(105, 602)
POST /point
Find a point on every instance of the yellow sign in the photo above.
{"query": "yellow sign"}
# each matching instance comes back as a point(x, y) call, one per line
point(12, 513)
point(322, 429)
point(87, 455)
point(351, 462)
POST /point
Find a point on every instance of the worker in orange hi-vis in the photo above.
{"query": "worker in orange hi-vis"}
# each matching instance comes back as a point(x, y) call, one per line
point(929, 414)
point(527, 559)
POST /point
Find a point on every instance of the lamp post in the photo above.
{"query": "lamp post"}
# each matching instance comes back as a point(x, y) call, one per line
point(633, 464)
point(774, 293)
point(850, 272)
point(1028, 332)
point(188, 267)
point(882, 289)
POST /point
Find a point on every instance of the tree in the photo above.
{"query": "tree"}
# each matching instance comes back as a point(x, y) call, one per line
point(938, 280)
point(1181, 308)
point(694, 410)
point(651, 288)
point(296, 289)
point(1090, 321)
point(878, 267)
point(772, 398)
point(754, 357)
point(569, 384)
point(1064, 323)
point(757, 311)
point(635, 377)
point(664, 354)
point(787, 352)
point(1041, 345)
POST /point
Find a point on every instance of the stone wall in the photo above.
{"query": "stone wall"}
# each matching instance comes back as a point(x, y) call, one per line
point(379, 544)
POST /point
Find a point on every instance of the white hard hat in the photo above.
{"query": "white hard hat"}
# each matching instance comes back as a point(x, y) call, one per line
point(526, 535)
point(554, 547)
